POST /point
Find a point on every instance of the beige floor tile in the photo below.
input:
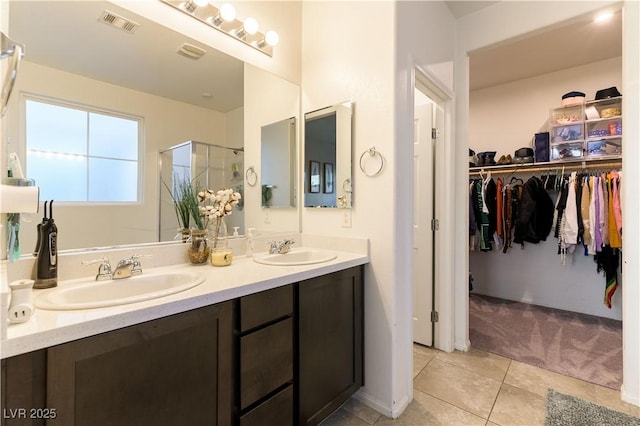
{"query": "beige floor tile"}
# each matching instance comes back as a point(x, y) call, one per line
point(518, 407)
point(427, 410)
point(342, 417)
point(422, 355)
point(362, 411)
point(538, 380)
point(463, 388)
point(481, 362)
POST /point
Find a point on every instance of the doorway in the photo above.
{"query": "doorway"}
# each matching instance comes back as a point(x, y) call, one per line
point(427, 133)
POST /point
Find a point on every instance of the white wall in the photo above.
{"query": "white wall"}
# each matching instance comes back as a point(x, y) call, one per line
point(346, 57)
point(370, 61)
point(631, 202)
point(504, 118)
point(166, 123)
point(425, 39)
point(505, 20)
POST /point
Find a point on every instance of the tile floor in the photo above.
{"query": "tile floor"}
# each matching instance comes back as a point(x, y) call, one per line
point(477, 388)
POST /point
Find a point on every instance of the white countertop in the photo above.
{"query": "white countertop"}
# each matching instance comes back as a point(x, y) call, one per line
point(242, 277)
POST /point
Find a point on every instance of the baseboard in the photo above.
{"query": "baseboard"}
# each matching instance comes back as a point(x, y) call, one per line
point(463, 346)
point(368, 400)
point(630, 398)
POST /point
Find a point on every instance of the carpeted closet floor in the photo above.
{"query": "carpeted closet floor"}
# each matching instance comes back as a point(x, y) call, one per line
point(577, 345)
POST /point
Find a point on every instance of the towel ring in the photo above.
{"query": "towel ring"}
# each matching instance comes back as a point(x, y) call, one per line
point(373, 153)
point(252, 176)
point(346, 185)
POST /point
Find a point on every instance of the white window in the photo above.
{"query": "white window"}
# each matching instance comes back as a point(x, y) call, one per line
point(76, 154)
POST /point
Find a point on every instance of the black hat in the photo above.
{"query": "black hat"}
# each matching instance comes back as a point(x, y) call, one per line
point(523, 155)
point(610, 92)
point(573, 95)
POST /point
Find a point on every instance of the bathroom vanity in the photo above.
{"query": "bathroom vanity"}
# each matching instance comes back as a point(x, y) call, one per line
point(285, 349)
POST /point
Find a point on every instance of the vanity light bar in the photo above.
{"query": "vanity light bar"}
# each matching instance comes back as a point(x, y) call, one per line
point(224, 20)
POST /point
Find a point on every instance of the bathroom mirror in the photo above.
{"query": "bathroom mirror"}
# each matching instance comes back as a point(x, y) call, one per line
point(278, 164)
point(328, 154)
point(150, 72)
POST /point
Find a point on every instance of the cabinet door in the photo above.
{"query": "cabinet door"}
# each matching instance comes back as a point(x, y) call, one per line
point(170, 371)
point(23, 390)
point(330, 336)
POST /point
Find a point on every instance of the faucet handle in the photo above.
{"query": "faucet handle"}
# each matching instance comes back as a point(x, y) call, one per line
point(104, 270)
point(136, 266)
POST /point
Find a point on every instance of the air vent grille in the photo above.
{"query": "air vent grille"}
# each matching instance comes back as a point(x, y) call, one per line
point(118, 21)
point(191, 51)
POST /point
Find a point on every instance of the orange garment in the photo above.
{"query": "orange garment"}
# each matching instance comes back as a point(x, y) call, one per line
point(615, 239)
point(499, 228)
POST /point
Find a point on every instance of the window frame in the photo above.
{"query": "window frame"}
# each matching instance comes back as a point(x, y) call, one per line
point(88, 109)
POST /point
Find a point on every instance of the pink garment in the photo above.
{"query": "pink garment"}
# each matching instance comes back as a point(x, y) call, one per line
point(617, 210)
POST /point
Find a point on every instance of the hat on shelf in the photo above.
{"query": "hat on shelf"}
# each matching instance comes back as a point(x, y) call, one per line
point(609, 92)
point(573, 98)
point(523, 155)
point(473, 160)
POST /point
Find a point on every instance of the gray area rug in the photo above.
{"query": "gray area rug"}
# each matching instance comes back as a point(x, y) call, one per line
point(566, 410)
point(577, 345)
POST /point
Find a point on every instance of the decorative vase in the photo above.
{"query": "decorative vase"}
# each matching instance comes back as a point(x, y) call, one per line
point(198, 249)
point(183, 234)
point(221, 254)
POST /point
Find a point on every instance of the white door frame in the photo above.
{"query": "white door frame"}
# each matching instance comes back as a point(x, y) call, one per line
point(443, 337)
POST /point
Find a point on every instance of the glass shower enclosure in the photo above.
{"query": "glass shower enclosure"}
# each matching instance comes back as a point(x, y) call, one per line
point(207, 165)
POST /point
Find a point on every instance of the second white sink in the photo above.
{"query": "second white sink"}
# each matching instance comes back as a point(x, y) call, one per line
point(99, 294)
point(302, 256)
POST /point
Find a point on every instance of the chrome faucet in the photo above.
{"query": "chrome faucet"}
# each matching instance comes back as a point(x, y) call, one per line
point(280, 247)
point(129, 267)
point(104, 270)
point(125, 268)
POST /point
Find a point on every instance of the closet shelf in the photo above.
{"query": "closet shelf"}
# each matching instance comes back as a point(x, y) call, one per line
point(548, 166)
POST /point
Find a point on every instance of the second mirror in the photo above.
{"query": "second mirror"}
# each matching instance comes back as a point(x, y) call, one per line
point(327, 152)
point(278, 164)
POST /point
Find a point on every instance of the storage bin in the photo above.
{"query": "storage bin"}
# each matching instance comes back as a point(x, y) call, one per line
point(567, 151)
point(570, 132)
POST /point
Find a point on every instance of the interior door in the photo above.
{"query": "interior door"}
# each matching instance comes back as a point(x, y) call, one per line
point(423, 207)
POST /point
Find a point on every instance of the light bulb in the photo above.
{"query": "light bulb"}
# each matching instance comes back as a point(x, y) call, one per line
point(201, 3)
point(227, 12)
point(603, 17)
point(272, 38)
point(250, 25)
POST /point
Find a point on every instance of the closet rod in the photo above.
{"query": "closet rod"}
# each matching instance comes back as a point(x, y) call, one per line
point(547, 167)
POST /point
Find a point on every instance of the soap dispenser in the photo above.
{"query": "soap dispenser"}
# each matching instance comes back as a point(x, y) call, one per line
point(47, 261)
point(249, 250)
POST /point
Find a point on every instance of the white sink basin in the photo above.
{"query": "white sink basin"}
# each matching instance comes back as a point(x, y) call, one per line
point(296, 257)
point(100, 294)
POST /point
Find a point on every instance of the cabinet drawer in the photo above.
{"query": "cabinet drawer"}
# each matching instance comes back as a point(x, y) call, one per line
point(276, 411)
point(266, 361)
point(260, 308)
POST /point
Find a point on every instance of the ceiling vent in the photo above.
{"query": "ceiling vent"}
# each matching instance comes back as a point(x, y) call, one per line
point(118, 21)
point(190, 51)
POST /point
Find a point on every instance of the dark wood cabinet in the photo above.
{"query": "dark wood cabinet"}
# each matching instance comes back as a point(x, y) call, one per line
point(330, 343)
point(266, 358)
point(285, 356)
point(175, 370)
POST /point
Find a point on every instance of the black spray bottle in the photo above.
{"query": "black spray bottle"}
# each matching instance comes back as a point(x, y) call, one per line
point(47, 262)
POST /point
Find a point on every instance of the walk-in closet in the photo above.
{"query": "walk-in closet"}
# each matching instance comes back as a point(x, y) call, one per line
point(545, 284)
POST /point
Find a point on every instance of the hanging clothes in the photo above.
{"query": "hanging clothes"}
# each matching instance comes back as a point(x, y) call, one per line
point(584, 210)
point(617, 211)
point(568, 235)
point(499, 213)
point(593, 220)
point(608, 260)
point(615, 240)
point(483, 223)
point(535, 216)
